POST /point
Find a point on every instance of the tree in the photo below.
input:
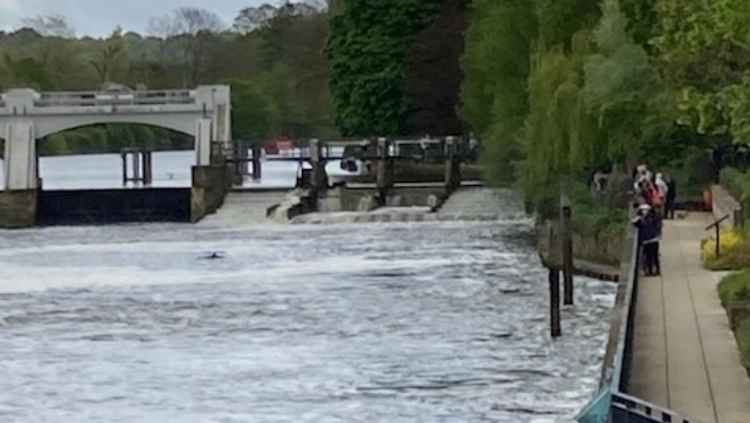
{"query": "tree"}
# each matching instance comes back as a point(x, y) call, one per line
point(50, 25)
point(192, 28)
point(367, 50)
point(111, 58)
point(704, 49)
point(497, 63)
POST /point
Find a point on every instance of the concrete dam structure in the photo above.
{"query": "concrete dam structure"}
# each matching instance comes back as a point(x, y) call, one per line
point(27, 116)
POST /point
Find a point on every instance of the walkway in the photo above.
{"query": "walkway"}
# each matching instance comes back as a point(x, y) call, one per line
point(685, 355)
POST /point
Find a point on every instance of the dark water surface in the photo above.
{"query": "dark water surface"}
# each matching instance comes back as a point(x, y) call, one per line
point(432, 322)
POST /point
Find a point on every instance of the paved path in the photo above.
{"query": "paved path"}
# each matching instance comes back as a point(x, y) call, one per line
point(685, 355)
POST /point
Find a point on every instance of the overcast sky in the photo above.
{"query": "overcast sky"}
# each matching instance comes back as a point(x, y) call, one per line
point(99, 17)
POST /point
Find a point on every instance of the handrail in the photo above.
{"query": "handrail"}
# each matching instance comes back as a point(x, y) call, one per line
point(630, 406)
point(718, 222)
point(718, 232)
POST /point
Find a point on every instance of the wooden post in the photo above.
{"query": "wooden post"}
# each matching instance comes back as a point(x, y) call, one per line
point(554, 296)
point(147, 168)
point(318, 178)
point(718, 240)
point(257, 164)
point(566, 243)
point(383, 176)
point(124, 156)
point(452, 165)
point(136, 167)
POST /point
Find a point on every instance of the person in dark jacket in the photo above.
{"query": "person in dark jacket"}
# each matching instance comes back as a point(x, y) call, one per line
point(671, 198)
point(649, 233)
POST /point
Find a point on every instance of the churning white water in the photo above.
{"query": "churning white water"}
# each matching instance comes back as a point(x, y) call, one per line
point(442, 321)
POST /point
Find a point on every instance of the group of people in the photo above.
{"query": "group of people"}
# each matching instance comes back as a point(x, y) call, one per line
point(655, 200)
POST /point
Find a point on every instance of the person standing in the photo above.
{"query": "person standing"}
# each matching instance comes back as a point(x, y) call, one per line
point(649, 233)
point(671, 197)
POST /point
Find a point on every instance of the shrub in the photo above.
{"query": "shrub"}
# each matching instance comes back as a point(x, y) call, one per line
point(735, 288)
point(743, 340)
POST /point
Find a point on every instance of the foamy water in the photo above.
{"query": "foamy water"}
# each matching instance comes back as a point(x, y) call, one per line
point(441, 321)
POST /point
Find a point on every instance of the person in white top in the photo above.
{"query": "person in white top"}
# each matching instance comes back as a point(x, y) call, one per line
point(662, 185)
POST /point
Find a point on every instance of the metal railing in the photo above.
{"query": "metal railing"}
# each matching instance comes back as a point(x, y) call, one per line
point(120, 98)
point(717, 225)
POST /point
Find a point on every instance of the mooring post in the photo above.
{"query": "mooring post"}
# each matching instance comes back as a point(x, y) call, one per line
point(383, 177)
point(257, 164)
point(566, 243)
point(452, 165)
point(554, 296)
point(124, 156)
point(147, 168)
point(318, 178)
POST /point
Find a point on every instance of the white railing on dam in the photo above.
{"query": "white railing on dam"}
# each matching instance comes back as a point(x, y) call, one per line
point(125, 98)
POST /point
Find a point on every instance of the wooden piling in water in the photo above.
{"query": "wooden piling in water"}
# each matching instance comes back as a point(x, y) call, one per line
point(554, 296)
point(566, 243)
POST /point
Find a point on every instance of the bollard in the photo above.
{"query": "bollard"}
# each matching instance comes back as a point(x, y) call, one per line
point(554, 296)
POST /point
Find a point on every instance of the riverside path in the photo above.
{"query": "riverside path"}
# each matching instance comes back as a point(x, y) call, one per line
point(685, 355)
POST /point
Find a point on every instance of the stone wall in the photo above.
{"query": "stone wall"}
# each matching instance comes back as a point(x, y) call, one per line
point(597, 249)
point(725, 204)
point(18, 209)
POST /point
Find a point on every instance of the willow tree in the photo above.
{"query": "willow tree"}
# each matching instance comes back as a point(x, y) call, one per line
point(499, 44)
point(624, 91)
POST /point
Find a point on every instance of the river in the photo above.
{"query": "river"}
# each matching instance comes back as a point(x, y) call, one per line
point(425, 322)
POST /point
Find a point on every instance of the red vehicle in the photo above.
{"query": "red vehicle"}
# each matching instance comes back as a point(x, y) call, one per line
point(280, 146)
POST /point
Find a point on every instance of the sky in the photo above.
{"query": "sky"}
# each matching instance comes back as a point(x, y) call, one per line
point(100, 17)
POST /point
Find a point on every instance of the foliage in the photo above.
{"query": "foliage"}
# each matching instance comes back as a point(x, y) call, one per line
point(735, 288)
point(367, 50)
point(704, 48)
point(497, 65)
point(743, 341)
point(280, 72)
point(735, 252)
point(559, 89)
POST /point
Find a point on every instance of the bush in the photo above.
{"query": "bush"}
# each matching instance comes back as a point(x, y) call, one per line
point(735, 252)
point(743, 341)
point(735, 288)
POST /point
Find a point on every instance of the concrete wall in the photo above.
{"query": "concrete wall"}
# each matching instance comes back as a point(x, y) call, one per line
point(725, 204)
point(365, 199)
point(210, 186)
point(18, 209)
